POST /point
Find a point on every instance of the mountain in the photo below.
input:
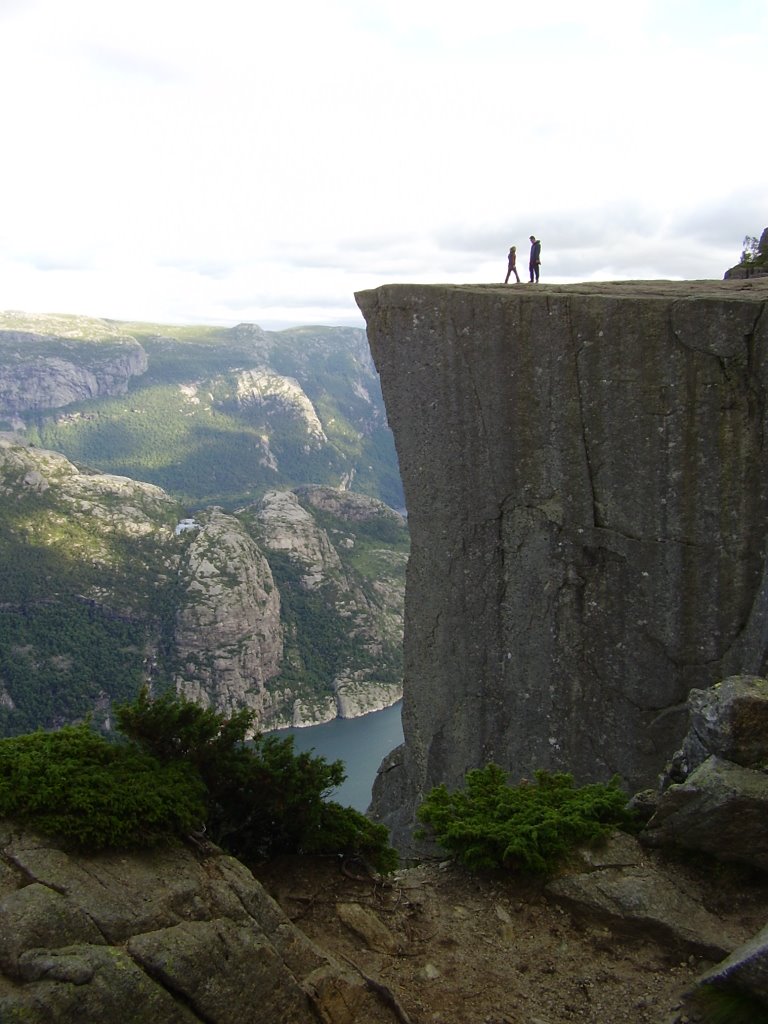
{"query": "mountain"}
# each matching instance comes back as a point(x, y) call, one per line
point(52, 361)
point(212, 415)
point(206, 508)
point(290, 606)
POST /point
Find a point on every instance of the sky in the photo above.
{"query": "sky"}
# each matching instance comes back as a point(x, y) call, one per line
point(180, 161)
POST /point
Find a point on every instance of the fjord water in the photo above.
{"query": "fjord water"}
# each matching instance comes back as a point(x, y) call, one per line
point(360, 743)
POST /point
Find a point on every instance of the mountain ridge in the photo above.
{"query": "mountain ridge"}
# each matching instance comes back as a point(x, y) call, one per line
point(206, 627)
point(214, 415)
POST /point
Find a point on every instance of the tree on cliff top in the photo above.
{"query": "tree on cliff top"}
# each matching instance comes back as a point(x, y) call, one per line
point(755, 251)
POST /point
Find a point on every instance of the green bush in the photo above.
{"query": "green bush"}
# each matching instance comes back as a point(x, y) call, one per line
point(343, 829)
point(74, 784)
point(262, 798)
point(715, 1005)
point(528, 827)
point(185, 768)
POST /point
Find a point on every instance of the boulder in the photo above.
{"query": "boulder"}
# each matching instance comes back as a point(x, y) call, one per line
point(623, 887)
point(744, 971)
point(171, 936)
point(720, 809)
point(368, 926)
point(729, 720)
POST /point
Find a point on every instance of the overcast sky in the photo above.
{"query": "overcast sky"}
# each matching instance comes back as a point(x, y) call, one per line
point(226, 161)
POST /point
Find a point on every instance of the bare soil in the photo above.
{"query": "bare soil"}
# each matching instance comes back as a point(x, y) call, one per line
point(495, 950)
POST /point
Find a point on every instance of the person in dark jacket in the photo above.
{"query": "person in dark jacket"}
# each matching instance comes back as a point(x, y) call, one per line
point(535, 261)
point(511, 265)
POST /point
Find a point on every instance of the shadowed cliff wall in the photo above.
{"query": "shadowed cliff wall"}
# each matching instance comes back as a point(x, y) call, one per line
point(587, 491)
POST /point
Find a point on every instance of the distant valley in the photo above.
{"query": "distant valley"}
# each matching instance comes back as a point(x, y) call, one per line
point(205, 508)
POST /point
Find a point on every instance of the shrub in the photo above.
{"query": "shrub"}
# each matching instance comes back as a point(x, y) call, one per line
point(345, 830)
point(184, 767)
point(262, 798)
point(528, 827)
point(715, 1005)
point(74, 784)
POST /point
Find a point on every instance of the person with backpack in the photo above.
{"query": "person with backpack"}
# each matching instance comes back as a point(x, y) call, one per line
point(535, 261)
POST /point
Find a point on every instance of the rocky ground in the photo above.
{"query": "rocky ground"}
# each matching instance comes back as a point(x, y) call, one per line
point(452, 948)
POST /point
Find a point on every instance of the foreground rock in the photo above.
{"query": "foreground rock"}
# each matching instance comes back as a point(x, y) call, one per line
point(624, 887)
point(588, 502)
point(715, 790)
point(728, 720)
point(721, 809)
point(167, 937)
point(744, 971)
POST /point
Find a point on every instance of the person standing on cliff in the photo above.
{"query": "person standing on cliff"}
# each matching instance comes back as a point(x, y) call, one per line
point(511, 265)
point(535, 261)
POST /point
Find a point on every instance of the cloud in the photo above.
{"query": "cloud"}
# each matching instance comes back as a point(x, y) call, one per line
point(153, 69)
point(196, 162)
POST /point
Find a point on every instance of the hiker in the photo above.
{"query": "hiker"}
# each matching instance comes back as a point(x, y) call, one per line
point(511, 268)
point(535, 261)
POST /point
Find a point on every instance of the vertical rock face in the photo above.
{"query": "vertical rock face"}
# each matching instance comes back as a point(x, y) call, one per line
point(586, 483)
point(74, 360)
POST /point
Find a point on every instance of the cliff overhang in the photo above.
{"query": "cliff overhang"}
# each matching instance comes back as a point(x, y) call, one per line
point(587, 492)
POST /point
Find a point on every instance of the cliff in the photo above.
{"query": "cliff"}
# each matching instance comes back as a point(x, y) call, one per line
point(49, 362)
point(586, 483)
point(228, 635)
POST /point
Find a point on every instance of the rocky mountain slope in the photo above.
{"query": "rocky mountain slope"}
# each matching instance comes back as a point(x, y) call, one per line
point(212, 415)
point(107, 583)
point(53, 361)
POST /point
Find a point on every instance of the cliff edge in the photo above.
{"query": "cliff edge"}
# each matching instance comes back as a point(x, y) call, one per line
point(587, 487)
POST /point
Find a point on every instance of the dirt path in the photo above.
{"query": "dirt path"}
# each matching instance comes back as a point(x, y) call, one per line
point(457, 949)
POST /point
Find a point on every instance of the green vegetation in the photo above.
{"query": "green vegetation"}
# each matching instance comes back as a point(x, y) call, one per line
point(92, 580)
point(752, 254)
point(183, 426)
point(57, 659)
point(262, 799)
point(528, 827)
point(715, 1005)
point(322, 636)
point(183, 768)
point(318, 644)
point(94, 794)
point(81, 608)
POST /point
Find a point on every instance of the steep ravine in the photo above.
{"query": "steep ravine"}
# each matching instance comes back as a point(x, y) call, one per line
point(587, 488)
